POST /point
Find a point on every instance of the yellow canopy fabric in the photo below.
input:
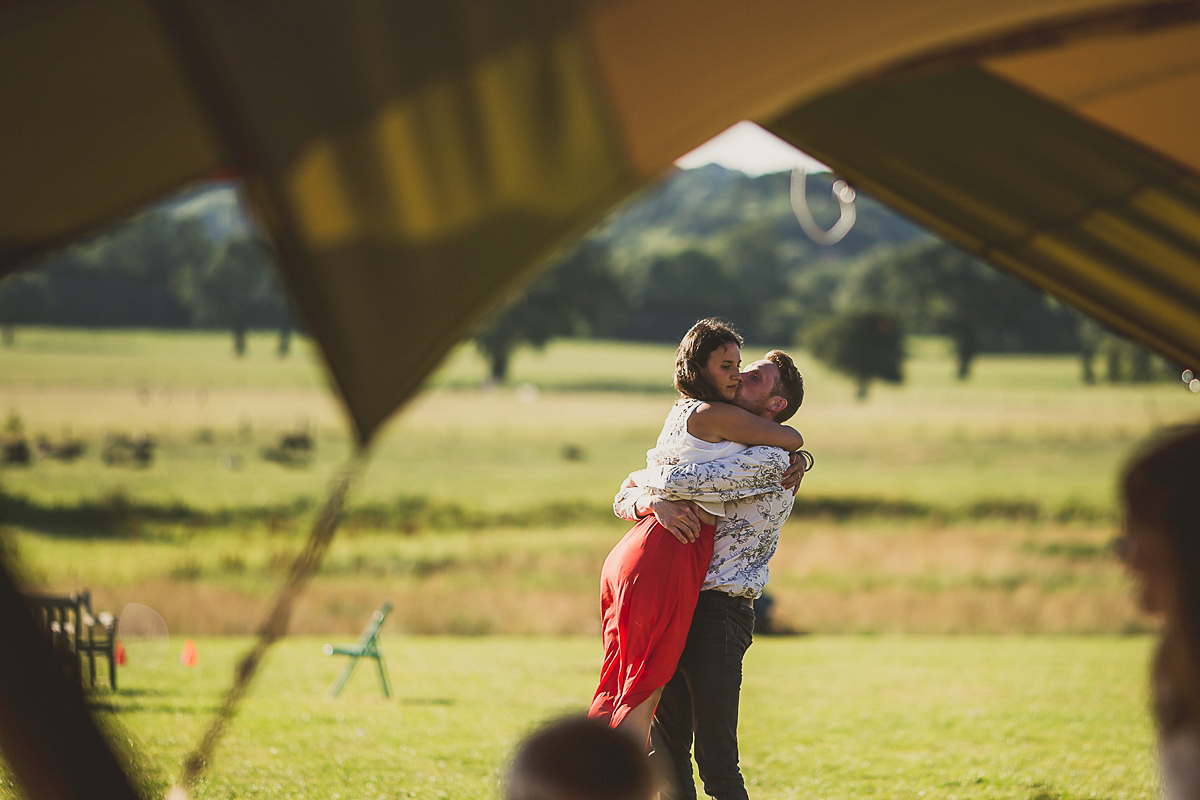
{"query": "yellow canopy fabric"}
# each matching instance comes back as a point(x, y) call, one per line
point(95, 121)
point(415, 160)
point(1104, 224)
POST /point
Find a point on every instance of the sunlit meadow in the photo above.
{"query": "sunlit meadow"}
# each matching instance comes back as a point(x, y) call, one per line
point(983, 509)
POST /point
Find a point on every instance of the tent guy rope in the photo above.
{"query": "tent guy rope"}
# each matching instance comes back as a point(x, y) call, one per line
point(275, 625)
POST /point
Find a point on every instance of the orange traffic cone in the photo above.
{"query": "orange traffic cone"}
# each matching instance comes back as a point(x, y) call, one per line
point(188, 656)
point(120, 654)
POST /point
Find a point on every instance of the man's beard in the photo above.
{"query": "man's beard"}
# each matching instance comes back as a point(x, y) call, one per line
point(756, 409)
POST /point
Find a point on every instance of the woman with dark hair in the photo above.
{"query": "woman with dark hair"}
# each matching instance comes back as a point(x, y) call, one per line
point(1160, 544)
point(651, 581)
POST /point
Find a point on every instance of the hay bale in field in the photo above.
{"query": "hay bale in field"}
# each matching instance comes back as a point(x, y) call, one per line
point(121, 449)
point(14, 450)
point(292, 450)
point(66, 450)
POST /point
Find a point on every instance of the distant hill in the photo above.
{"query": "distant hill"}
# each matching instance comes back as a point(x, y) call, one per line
point(714, 241)
point(693, 207)
point(687, 208)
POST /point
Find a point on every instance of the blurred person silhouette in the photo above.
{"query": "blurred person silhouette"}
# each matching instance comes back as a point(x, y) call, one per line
point(579, 758)
point(1160, 545)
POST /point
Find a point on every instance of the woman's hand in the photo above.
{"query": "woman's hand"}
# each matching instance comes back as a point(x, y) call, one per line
point(677, 516)
point(794, 473)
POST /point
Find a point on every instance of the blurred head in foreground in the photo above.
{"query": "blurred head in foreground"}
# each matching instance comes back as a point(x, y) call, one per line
point(577, 758)
point(1160, 544)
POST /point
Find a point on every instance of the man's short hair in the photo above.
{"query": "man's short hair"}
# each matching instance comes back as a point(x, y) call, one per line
point(789, 386)
point(579, 758)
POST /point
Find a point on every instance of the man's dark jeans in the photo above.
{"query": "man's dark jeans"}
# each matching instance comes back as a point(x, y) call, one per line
point(702, 699)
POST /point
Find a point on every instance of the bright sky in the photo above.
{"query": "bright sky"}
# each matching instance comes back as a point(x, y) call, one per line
point(748, 148)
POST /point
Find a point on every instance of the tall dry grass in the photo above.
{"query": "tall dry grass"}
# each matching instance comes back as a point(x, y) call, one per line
point(872, 575)
point(986, 577)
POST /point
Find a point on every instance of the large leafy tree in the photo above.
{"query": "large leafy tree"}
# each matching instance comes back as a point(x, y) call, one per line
point(237, 285)
point(864, 344)
point(935, 288)
point(680, 288)
point(125, 275)
point(573, 296)
point(1124, 361)
point(22, 300)
point(759, 301)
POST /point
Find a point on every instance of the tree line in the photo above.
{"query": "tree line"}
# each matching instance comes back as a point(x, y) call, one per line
point(703, 242)
point(714, 242)
point(168, 267)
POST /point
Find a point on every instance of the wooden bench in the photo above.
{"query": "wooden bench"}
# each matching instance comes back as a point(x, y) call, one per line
point(78, 633)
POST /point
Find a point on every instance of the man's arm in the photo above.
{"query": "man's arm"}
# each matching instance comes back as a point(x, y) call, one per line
point(754, 471)
point(625, 503)
point(678, 516)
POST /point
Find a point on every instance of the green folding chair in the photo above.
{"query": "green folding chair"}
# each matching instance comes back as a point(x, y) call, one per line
point(367, 647)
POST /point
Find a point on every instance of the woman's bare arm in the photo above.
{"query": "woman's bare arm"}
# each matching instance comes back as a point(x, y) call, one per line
point(714, 422)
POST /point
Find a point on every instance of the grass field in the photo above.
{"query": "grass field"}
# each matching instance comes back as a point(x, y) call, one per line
point(936, 507)
point(844, 717)
point(870, 576)
point(581, 416)
point(1022, 444)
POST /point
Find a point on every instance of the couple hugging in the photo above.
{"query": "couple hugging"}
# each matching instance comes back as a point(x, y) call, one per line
point(677, 591)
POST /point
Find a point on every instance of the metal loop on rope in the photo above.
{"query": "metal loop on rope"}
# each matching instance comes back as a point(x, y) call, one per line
point(842, 192)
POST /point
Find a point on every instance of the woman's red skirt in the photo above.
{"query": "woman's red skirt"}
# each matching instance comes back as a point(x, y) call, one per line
point(648, 591)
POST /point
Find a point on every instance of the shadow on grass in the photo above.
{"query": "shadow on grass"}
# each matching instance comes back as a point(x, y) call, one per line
point(118, 707)
point(427, 701)
point(147, 692)
point(117, 516)
point(842, 508)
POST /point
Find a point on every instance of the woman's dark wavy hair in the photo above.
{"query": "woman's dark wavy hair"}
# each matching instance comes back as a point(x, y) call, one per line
point(1160, 491)
point(697, 345)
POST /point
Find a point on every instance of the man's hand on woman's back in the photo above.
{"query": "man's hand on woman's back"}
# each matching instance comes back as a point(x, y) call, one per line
point(678, 516)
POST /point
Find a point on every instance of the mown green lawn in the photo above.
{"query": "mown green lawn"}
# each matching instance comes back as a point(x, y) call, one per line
point(842, 717)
